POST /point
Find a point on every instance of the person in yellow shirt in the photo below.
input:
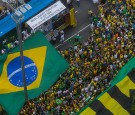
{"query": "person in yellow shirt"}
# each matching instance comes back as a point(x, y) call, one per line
point(96, 31)
point(121, 56)
point(129, 34)
point(78, 59)
point(66, 52)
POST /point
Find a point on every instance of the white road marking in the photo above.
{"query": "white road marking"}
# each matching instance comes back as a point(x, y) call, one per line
point(73, 35)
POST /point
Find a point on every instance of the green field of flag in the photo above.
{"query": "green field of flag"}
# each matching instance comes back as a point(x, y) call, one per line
point(43, 66)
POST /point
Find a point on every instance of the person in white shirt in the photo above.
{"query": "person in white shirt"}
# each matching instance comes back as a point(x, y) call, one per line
point(3, 51)
point(62, 38)
point(4, 41)
point(125, 56)
point(80, 52)
point(68, 3)
point(115, 56)
point(95, 1)
point(16, 42)
point(61, 32)
point(54, 39)
point(91, 27)
point(33, 31)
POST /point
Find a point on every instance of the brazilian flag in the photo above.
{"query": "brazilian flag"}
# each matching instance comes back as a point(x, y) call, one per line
point(118, 98)
point(43, 66)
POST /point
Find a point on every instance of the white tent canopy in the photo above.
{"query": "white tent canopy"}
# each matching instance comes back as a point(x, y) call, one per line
point(46, 14)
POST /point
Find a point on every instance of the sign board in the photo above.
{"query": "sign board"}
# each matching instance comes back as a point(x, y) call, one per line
point(46, 14)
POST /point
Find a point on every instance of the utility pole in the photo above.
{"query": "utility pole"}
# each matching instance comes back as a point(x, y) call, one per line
point(19, 34)
point(18, 16)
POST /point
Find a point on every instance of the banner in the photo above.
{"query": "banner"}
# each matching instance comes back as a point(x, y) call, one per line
point(43, 66)
point(46, 14)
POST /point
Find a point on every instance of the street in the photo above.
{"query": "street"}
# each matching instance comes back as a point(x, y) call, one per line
point(82, 23)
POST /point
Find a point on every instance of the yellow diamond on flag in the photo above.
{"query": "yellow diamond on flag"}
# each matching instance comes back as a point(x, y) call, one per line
point(11, 78)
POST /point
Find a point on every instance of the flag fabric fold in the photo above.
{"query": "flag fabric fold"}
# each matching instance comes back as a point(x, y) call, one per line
point(43, 66)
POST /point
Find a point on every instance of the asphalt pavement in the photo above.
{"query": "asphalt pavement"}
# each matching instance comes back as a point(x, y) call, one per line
point(82, 23)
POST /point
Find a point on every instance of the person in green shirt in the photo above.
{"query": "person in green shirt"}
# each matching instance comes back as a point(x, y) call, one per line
point(77, 37)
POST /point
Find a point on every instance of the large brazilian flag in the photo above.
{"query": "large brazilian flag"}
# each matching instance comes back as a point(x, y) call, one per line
point(43, 66)
point(118, 98)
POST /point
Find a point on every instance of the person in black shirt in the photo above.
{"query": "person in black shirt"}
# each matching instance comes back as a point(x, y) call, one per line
point(102, 2)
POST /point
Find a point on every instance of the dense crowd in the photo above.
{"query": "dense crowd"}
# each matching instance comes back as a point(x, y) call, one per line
point(93, 64)
point(7, 45)
point(4, 11)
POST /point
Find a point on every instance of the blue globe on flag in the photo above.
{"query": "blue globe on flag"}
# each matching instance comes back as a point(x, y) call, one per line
point(14, 71)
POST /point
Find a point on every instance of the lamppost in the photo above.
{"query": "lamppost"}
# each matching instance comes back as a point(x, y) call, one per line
point(18, 20)
point(18, 16)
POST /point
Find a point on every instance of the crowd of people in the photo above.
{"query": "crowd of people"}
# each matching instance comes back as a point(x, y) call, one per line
point(5, 9)
point(50, 29)
point(7, 45)
point(93, 64)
